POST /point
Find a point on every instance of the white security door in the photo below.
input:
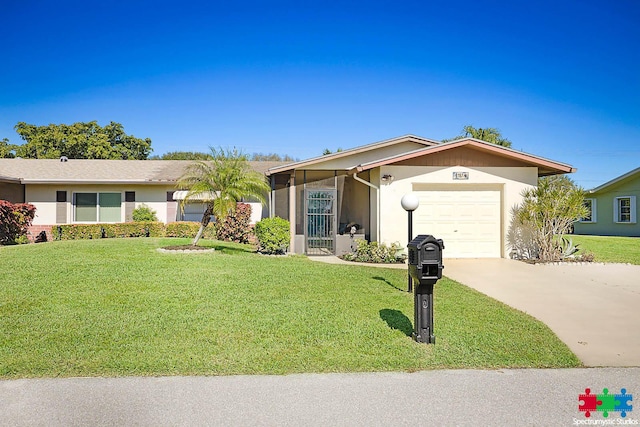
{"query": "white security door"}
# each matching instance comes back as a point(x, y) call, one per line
point(468, 221)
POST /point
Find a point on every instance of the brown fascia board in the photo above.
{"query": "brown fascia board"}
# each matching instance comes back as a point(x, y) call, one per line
point(351, 151)
point(551, 167)
point(615, 180)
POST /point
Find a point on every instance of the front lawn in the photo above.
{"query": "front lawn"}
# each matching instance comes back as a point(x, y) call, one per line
point(609, 248)
point(118, 307)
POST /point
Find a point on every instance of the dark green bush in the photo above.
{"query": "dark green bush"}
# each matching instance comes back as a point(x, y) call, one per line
point(236, 227)
point(273, 235)
point(144, 213)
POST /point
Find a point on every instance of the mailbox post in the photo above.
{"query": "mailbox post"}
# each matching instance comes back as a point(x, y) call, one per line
point(425, 267)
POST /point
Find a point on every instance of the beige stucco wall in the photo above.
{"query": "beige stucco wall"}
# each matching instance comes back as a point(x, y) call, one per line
point(393, 218)
point(370, 155)
point(44, 199)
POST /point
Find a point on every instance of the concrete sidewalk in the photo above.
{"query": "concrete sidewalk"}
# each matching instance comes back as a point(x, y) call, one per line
point(447, 397)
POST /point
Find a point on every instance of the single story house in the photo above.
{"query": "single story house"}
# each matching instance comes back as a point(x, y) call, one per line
point(79, 191)
point(466, 189)
point(613, 208)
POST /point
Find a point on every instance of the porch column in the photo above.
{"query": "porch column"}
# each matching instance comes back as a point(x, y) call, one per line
point(292, 212)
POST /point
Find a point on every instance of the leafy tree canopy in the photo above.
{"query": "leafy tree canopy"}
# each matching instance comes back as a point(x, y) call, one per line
point(194, 155)
point(183, 155)
point(7, 151)
point(491, 135)
point(80, 141)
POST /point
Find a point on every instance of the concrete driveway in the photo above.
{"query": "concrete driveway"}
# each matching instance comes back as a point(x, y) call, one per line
point(593, 308)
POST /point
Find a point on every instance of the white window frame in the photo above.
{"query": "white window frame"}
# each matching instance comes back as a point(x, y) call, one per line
point(632, 210)
point(594, 212)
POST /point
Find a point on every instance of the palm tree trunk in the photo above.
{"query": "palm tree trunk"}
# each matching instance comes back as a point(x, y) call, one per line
point(206, 218)
point(198, 235)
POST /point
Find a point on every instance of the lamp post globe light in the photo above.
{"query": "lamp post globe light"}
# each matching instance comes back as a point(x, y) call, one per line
point(410, 203)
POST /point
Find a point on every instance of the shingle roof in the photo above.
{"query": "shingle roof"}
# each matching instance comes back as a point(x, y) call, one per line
point(101, 171)
point(616, 180)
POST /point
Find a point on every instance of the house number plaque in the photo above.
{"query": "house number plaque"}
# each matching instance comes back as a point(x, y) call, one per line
point(460, 176)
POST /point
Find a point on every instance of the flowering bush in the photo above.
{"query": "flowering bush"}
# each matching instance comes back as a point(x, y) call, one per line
point(375, 252)
point(15, 219)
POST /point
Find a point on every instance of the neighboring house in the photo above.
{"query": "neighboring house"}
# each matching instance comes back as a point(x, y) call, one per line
point(78, 191)
point(466, 188)
point(613, 208)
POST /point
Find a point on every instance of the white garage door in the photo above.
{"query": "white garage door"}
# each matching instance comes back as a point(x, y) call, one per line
point(468, 221)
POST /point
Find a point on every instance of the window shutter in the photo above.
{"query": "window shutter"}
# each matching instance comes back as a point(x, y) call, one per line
point(632, 202)
point(594, 210)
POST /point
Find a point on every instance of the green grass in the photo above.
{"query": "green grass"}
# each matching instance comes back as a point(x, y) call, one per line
point(118, 307)
point(610, 248)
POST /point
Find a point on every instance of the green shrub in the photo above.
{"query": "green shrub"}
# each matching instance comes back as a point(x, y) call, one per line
point(375, 252)
point(273, 235)
point(188, 229)
point(236, 227)
point(103, 231)
point(144, 213)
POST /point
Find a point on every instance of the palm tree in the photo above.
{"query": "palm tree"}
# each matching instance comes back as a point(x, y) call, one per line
point(221, 183)
point(491, 135)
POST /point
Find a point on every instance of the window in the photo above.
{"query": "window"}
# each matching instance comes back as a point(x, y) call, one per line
point(98, 207)
point(61, 196)
point(590, 204)
point(129, 196)
point(624, 209)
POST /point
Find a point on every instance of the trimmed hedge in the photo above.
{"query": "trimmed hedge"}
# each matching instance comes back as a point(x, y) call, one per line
point(189, 229)
point(126, 229)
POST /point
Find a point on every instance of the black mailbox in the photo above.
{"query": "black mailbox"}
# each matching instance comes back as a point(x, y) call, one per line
point(425, 267)
point(425, 259)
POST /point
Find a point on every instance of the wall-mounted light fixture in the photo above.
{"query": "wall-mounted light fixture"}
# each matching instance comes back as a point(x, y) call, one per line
point(387, 178)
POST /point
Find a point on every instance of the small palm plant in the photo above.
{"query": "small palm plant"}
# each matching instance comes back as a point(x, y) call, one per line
point(221, 183)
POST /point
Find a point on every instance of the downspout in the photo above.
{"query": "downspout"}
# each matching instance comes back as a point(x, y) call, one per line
point(367, 183)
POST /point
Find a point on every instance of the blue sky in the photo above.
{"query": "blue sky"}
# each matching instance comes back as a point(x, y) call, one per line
point(561, 79)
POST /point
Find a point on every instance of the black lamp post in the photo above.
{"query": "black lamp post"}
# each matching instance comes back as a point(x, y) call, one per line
point(410, 203)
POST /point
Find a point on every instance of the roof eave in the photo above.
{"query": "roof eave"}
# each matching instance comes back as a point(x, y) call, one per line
point(549, 167)
point(615, 180)
point(297, 165)
point(98, 182)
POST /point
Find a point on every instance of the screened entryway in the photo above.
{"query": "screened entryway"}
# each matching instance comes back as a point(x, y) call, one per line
point(320, 220)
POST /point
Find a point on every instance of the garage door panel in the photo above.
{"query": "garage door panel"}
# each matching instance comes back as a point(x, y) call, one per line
point(468, 221)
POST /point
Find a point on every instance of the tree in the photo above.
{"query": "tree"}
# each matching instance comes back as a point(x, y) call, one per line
point(548, 211)
point(80, 141)
point(221, 183)
point(7, 151)
point(326, 151)
point(491, 135)
point(271, 157)
point(183, 155)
